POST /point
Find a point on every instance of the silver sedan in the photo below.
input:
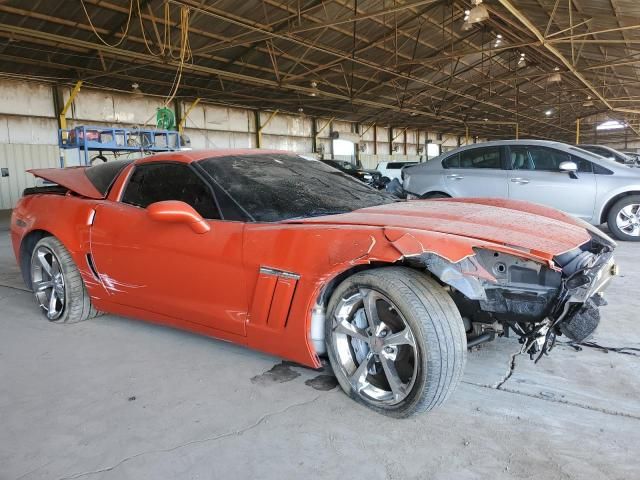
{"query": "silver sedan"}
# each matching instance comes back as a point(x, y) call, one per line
point(555, 174)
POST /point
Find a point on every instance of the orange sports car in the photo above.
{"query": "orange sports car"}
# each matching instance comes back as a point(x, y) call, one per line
point(289, 256)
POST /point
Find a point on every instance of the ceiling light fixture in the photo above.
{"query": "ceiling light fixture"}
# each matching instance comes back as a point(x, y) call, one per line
point(548, 113)
point(611, 125)
point(135, 89)
point(554, 78)
point(478, 14)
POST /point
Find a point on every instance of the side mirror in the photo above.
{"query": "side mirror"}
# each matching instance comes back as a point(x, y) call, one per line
point(174, 211)
point(568, 167)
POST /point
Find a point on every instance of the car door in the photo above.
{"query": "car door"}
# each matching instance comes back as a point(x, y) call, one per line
point(167, 268)
point(476, 172)
point(535, 176)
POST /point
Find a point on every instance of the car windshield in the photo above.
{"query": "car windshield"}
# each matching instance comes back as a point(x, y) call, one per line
point(274, 187)
point(342, 164)
point(589, 154)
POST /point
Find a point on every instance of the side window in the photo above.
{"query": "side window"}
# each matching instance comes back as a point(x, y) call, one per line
point(486, 157)
point(584, 166)
point(519, 158)
point(452, 162)
point(169, 181)
point(547, 159)
point(600, 170)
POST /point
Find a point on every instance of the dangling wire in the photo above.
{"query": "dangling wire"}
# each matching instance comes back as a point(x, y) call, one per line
point(162, 46)
point(185, 53)
point(124, 34)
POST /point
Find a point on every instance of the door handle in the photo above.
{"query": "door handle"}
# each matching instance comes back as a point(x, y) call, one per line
point(520, 181)
point(455, 176)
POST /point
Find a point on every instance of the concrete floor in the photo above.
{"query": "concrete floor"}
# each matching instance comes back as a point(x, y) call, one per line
point(114, 398)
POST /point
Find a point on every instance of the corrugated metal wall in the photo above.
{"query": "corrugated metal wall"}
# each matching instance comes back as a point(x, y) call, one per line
point(28, 130)
point(15, 159)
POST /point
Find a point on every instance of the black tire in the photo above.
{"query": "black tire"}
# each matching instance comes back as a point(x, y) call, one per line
point(428, 196)
point(77, 303)
point(435, 323)
point(613, 213)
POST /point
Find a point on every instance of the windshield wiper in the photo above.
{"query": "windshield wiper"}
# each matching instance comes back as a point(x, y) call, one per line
point(319, 213)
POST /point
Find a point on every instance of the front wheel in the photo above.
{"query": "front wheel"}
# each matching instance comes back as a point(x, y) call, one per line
point(624, 219)
point(395, 340)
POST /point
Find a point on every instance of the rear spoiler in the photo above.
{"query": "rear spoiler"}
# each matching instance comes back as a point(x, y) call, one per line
point(71, 178)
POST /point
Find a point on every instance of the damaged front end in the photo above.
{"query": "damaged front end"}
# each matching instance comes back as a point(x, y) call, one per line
point(498, 293)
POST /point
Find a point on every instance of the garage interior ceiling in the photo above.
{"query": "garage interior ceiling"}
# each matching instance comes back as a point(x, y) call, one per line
point(540, 64)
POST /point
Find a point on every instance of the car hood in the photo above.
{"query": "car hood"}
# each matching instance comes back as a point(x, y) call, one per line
point(515, 224)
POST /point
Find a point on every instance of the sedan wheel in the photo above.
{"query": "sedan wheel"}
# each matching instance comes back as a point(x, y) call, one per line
point(628, 220)
point(395, 340)
point(624, 219)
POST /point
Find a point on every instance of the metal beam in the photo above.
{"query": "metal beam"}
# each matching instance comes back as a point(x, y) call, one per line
point(67, 104)
point(533, 29)
point(261, 127)
point(183, 120)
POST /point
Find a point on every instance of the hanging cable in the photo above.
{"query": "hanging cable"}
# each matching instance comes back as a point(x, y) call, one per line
point(124, 34)
point(161, 46)
point(185, 53)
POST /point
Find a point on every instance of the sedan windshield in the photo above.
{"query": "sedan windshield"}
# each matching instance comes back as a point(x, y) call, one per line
point(344, 165)
point(274, 187)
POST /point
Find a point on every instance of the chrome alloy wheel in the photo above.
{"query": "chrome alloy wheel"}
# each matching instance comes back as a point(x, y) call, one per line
point(47, 281)
point(375, 347)
point(628, 220)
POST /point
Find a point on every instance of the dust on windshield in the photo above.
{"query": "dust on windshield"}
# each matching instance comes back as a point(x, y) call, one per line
point(274, 187)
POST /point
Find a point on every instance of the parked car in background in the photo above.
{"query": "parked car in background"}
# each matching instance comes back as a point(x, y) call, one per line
point(635, 156)
point(392, 170)
point(370, 177)
point(562, 176)
point(608, 152)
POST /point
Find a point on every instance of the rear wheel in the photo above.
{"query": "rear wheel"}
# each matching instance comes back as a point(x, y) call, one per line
point(624, 218)
point(395, 340)
point(57, 284)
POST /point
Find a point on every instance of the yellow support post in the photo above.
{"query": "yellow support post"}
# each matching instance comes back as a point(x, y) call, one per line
point(466, 134)
point(63, 113)
point(577, 131)
point(517, 131)
point(261, 127)
point(183, 120)
point(323, 127)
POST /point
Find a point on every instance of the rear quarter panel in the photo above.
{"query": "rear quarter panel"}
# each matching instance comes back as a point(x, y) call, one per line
point(610, 186)
point(66, 217)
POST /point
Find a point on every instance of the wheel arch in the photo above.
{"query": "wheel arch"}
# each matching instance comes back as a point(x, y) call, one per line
point(607, 207)
point(326, 290)
point(434, 193)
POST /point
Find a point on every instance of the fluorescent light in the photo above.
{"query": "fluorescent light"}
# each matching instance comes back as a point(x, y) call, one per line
point(610, 125)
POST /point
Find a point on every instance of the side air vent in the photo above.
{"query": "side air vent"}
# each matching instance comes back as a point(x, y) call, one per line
point(272, 298)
